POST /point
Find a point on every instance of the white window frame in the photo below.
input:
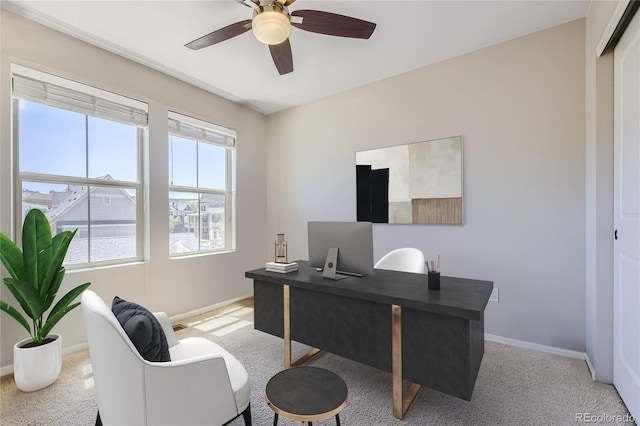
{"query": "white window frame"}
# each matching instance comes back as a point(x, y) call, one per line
point(187, 127)
point(54, 91)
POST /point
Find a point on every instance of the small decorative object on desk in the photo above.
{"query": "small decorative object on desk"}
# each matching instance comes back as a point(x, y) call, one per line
point(280, 267)
point(433, 273)
point(280, 249)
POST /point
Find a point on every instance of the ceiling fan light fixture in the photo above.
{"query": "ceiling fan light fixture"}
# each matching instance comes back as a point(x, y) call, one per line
point(271, 24)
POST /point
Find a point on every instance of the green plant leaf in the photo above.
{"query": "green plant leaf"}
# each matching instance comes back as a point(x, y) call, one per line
point(11, 257)
point(37, 246)
point(60, 245)
point(16, 293)
point(37, 273)
point(53, 319)
point(28, 296)
point(59, 240)
point(67, 299)
point(53, 289)
point(15, 314)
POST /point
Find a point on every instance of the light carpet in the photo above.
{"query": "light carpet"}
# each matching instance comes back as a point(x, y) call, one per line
point(515, 386)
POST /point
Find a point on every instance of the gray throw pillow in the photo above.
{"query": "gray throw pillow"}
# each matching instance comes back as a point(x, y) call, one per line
point(143, 329)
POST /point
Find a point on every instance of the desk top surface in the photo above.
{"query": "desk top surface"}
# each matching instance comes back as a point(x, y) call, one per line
point(459, 297)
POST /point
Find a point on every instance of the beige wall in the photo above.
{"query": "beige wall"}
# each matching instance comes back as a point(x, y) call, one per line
point(520, 107)
point(176, 286)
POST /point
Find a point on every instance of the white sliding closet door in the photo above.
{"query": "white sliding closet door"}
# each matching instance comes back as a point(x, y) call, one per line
point(626, 353)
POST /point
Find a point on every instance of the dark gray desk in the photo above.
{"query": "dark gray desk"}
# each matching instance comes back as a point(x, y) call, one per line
point(391, 321)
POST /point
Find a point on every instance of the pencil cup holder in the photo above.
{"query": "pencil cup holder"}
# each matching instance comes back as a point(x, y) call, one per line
point(433, 279)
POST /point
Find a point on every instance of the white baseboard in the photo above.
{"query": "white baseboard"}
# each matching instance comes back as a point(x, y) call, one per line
point(592, 369)
point(489, 337)
point(535, 346)
point(8, 369)
point(208, 308)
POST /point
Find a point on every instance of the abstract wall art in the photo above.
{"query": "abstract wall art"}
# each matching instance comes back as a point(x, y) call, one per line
point(419, 183)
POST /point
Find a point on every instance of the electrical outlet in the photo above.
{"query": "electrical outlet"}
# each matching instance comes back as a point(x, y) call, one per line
point(494, 296)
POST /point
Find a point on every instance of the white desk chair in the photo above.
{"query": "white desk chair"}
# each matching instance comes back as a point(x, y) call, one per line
point(202, 384)
point(406, 259)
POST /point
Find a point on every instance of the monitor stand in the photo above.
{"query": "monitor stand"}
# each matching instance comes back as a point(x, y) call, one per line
point(330, 264)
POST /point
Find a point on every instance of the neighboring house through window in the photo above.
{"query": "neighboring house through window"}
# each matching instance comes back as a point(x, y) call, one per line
point(201, 186)
point(79, 161)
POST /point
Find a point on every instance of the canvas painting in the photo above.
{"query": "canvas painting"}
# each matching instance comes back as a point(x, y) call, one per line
point(419, 183)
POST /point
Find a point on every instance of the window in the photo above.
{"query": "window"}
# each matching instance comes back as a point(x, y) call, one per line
point(201, 186)
point(79, 160)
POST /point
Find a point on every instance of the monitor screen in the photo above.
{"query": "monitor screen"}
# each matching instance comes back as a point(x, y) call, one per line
point(354, 241)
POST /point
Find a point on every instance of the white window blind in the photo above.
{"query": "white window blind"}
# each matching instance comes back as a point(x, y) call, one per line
point(54, 95)
point(191, 128)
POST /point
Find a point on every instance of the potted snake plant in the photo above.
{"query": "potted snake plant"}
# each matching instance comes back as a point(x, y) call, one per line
point(36, 273)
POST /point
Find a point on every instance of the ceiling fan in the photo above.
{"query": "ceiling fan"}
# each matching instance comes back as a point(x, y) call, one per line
point(271, 25)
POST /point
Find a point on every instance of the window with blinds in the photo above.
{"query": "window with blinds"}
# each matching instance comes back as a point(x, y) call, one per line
point(126, 111)
point(201, 186)
point(77, 146)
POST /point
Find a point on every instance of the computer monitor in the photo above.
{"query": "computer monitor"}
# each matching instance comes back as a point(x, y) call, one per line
point(354, 244)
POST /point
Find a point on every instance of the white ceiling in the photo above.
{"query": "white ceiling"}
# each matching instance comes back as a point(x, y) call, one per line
point(409, 35)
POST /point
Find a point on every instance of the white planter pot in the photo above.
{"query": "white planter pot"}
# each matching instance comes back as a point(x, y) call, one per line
point(38, 367)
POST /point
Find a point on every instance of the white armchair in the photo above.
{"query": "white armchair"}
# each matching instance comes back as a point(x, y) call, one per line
point(202, 384)
point(406, 259)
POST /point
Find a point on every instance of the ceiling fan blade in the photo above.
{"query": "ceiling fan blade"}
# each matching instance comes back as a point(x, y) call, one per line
point(333, 24)
point(286, 2)
point(222, 34)
point(249, 3)
point(282, 56)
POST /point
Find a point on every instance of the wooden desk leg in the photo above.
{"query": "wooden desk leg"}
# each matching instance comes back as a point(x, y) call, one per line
point(287, 335)
point(287, 326)
point(401, 403)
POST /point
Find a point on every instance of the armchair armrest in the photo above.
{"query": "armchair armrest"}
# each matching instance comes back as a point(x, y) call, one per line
point(164, 321)
point(194, 391)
